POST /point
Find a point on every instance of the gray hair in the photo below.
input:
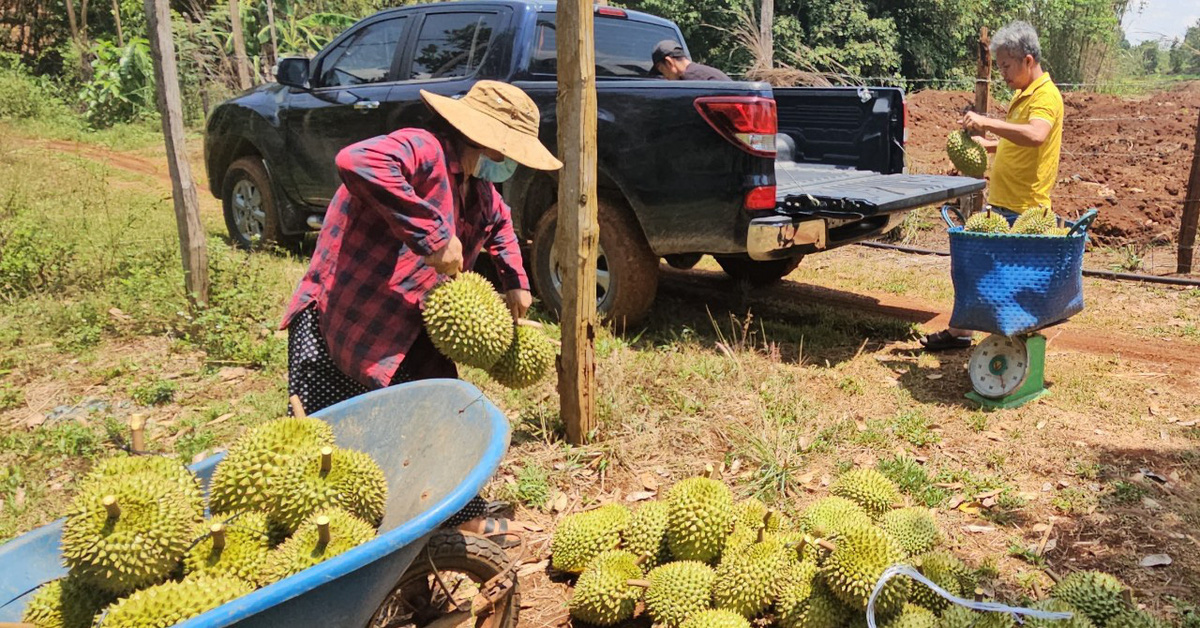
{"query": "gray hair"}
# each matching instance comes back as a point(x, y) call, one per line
point(1017, 38)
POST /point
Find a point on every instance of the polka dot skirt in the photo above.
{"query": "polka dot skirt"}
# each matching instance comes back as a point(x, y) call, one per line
point(319, 383)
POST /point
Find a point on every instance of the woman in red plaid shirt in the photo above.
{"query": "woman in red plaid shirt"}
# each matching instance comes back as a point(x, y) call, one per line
point(414, 205)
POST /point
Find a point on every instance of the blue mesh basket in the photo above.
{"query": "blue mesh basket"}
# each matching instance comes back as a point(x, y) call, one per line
point(1013, 284)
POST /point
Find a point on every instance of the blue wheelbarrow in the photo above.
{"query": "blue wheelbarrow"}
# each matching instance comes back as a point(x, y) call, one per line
point(438, 442)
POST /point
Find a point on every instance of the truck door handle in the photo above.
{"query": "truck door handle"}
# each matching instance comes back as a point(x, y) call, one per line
point(366, 105)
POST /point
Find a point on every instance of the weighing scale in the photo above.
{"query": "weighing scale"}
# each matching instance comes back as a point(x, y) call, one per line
point(1008, 371)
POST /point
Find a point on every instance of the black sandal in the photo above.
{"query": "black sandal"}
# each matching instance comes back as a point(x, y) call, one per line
point(945, 341)
point(496, 531)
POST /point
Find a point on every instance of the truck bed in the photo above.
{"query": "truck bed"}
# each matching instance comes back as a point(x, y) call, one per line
point(840, 192)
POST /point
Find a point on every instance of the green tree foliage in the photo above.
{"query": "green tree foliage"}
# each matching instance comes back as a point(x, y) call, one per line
point(1149, 55)
point(122, 86)
point(1190, 57)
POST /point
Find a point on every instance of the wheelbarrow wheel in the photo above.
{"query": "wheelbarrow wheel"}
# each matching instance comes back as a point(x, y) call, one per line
point(446, 575)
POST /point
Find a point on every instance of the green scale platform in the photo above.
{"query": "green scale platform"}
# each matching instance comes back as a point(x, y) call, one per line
point(1008, 371)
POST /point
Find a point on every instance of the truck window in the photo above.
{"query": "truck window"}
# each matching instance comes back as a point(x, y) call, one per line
point(364, 57)
point(622, 46)
point(452, 44)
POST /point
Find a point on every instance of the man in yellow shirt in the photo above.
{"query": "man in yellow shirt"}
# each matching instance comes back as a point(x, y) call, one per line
point(1027, 142)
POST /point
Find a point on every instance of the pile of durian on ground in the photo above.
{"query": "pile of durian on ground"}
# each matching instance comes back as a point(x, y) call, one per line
point(468, 322)
point(140, 552)
point(699, 560)
point(1034, 221)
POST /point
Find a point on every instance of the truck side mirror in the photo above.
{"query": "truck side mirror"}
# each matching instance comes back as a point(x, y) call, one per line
point(293, 72)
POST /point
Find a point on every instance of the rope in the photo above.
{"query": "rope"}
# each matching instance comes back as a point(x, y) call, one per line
point(993, 607)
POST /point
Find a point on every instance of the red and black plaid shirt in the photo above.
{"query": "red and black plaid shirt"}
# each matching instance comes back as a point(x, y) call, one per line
point(400, 201)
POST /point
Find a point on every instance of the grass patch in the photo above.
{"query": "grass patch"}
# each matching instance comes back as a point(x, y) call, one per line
point(532, 486)
point(913, 479)
point(914, 427)
point(154, 393)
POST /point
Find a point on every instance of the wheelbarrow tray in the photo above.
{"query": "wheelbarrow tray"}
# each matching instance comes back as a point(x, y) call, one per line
point(438, 442)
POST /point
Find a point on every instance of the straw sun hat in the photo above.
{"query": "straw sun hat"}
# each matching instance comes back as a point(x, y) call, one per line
point(498, 116)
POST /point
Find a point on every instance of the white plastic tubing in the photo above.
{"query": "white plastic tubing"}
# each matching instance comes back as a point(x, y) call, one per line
point(992, 607)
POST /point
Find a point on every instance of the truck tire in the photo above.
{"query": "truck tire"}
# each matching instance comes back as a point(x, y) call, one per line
point(627, 270)
point(759, 273)
point(251, 215)
point(418, 600)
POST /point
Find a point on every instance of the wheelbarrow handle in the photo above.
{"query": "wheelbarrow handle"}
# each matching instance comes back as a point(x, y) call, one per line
point(1084, 222)
point(946, 209)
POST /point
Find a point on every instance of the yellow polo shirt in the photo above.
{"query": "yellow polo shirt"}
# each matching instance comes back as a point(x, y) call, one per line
point(1022, 176)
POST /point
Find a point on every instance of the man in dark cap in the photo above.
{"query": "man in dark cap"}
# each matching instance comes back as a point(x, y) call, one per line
point(670, 61)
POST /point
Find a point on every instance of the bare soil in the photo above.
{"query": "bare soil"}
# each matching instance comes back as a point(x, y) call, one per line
point(1127, 156)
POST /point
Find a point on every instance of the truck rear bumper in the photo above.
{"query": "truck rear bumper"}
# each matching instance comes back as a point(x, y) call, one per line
point(777, 237)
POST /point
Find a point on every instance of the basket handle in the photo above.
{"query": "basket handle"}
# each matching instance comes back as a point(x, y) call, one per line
point(946, 209)
point(1084, 222)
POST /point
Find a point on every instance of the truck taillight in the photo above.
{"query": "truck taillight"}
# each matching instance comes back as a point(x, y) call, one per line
point(750, 122)
point(904, 121)
point(611, 11)
point(761, 197)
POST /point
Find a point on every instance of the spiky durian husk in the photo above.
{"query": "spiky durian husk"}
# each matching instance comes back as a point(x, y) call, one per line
point(65, 603)
point(867, 488)
point(716, 618)
point(467, 320)
point(913, 529)
point(580, 536)
point(1035, 221)
point(1096, 594)
point(819, 608)
point(678, 590)
point(244, 554)
point(986, 222)
point(354, 482)
point(1077, 620)
point(526, 361)
point(699, 518)
point(647, 534)
point(243, 480)
point(852, 569)
point(603, 595)
point(304, 549)
point(748, 581)
point(967, 154)
point(171, 603)
point(170, 469)
point(945, 570)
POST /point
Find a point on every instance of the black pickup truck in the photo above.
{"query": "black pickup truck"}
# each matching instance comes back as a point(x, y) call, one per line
point(755, 176)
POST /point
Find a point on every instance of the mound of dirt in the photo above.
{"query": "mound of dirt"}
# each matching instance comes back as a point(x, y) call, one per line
point(1129, 157)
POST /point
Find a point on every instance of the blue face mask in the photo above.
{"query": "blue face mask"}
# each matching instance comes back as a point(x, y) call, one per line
point(494, 171)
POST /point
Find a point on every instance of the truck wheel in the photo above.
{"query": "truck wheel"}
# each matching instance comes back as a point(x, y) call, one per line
point(251, 215)
point(758, 273)
point(626, 268)
point(463, 564)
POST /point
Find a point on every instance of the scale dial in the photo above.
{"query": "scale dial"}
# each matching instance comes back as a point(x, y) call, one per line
point(999, 366)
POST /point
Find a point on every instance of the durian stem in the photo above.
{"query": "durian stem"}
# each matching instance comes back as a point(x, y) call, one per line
point(137, 432)
point(525, 322)
point(826, 545)
point(322, 531)
point(644, 584)
point(978, 594)
point(1127, 598)
point(1053, 575)
point(110, 504)
point(326, 459)
point(297, 407)
point(641, 560)
point(217, 531)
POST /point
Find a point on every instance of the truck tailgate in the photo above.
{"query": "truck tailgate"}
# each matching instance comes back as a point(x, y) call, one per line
point(840, 192)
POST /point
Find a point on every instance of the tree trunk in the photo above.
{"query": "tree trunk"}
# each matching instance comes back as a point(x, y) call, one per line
point(183, 188)
point(578, 232)
point(274, 41)
point(241, 63)
point(117, 18)
point(77, 38)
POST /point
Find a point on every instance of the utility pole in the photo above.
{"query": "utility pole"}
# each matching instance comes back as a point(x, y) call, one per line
point(577, 233)
point(183, 187)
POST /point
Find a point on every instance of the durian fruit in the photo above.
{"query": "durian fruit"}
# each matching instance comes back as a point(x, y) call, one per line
point(331, 476)
point(946, 571)
point(914, 529)
point(831, 515)
point(1095, 594)
point(678, 590)
point(796, 574)
point(1035, 221)
point(1135, 619)
point(867, 488)
point(700, 516)
point(912, 616)
point(747, 582)
point(716, 618)
point(986, 222)
point(65, 603)
point(967, 154)
point(1077, 620)
point(581, 536)
point(237, 546)
point(467, 321)
point(171, 603)
point(526, 361)
point(819, 609)
point(962, 617)
point(168, 468)
point(243, 480)
point(647, 534)
point(861, 556)
point(325, 534)
point(128, 532)
point(603, 595)
point(753, 514)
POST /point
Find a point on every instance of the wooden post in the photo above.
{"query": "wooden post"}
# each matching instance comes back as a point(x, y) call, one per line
point(983, 84)
point(577, 234)
point(766, 18)
point(274, 40)
point(183, 188)
point(240, 62)
point(1191, 210)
